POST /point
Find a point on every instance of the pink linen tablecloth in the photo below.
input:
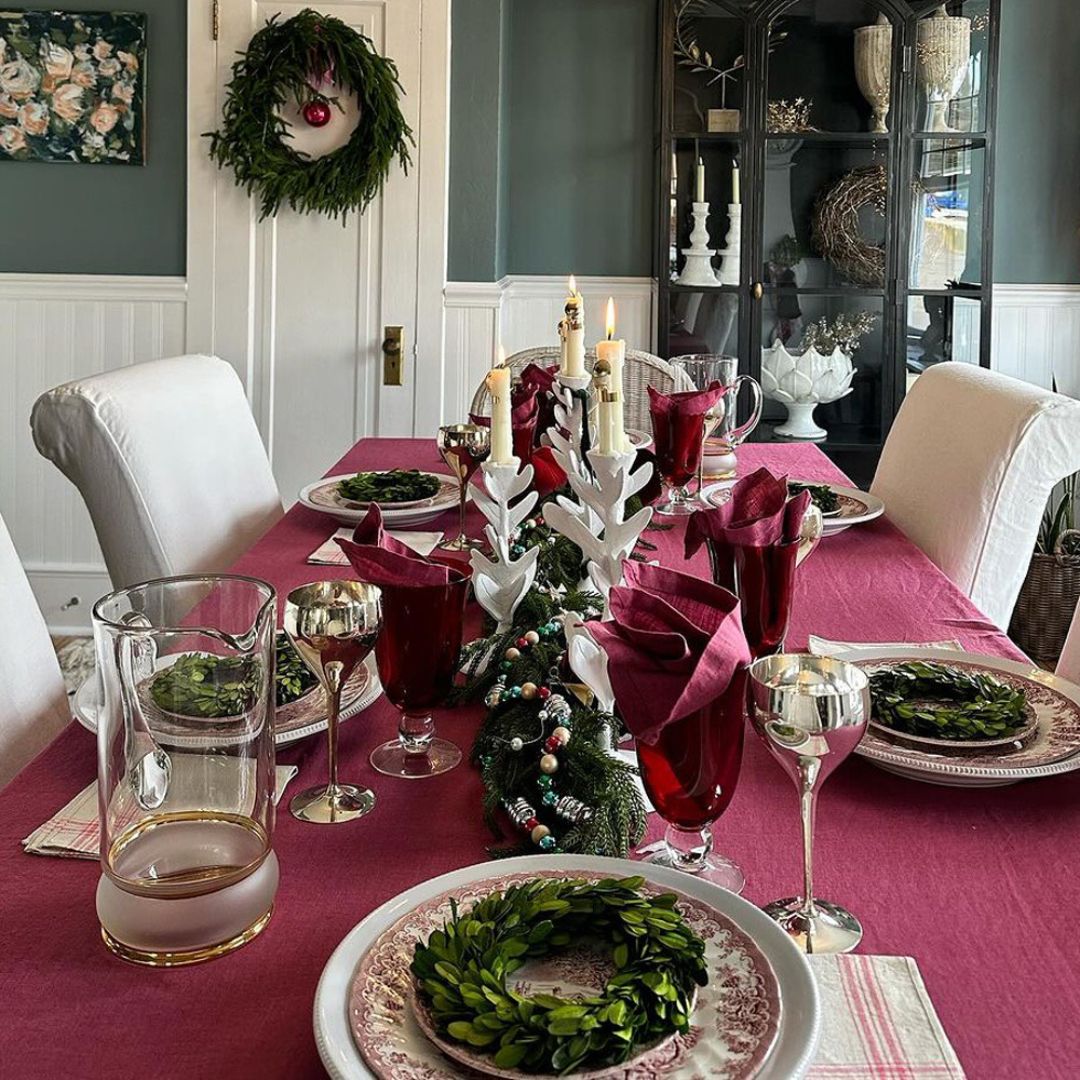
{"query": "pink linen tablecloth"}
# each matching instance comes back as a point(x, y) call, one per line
point(979, 886)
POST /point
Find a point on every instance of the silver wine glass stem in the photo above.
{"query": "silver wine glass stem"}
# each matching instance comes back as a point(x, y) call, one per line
point(333, 707)
point(808, 773)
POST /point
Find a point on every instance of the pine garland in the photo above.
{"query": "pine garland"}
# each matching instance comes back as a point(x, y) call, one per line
point(613, 818)
point(282, 62)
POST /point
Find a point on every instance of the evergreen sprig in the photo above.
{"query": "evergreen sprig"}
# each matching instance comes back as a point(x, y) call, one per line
point(282, 62)
point(462, 970)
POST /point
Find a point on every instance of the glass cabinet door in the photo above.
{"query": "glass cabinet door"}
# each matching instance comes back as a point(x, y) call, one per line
point(952, 45)
point(831, 67)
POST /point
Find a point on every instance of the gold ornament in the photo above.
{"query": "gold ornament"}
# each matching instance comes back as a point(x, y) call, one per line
point(539, 833)
point(532, 637)
point(562, 734)
point(549, 764)
point(528, 690)
point(793, 116)
point(512, 653)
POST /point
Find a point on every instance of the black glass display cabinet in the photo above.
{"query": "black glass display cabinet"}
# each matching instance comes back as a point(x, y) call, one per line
point(863, 134)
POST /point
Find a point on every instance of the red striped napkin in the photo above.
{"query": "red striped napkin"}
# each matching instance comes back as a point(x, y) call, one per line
point(878, 1022)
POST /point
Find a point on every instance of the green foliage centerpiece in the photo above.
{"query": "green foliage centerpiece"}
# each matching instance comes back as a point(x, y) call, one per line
point(462, 970)
point(291, 61)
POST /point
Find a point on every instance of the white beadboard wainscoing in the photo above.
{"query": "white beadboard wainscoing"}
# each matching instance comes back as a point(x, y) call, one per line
point(1037, 334)
point(523, 312)
point(54, 328)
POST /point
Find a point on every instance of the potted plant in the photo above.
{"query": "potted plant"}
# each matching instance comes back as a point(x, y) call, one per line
point(1049, 595)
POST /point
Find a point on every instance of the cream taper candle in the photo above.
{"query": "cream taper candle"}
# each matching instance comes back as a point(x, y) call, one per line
point(700, 180)
point(502, 436)
point(736, 195)
point(613, 353)
point(572, 332)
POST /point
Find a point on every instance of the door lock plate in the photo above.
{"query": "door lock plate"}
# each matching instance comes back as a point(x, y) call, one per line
point(393, 349)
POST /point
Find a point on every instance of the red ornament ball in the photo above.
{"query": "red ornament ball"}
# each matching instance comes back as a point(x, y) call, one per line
point(544, 693)
point(317, 113)
point(531, 824)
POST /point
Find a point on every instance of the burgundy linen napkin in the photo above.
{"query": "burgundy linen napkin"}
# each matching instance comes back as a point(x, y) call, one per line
point(673, 644)
point(758, 514)
point(381, 560)
point(684, 402)
point(543, 381)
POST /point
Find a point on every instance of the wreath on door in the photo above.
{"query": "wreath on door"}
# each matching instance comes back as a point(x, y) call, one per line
point(294, 61)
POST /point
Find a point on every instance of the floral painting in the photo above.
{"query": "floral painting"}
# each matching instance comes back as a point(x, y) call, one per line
point(72, 86)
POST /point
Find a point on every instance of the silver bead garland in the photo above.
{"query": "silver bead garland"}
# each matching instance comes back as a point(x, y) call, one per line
point(573, 810)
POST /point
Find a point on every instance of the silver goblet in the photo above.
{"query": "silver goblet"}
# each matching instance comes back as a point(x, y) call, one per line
point(333, 625)
point(464, 448)
point(811, 712)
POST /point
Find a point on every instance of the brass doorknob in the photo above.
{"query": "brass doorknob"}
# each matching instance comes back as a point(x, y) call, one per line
point(758, 290)
point(391, 346)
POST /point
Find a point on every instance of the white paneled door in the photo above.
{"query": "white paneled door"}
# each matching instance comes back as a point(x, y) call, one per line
point(299, 304)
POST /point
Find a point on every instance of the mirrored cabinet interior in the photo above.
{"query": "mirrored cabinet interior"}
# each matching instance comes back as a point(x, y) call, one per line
point(825, 187)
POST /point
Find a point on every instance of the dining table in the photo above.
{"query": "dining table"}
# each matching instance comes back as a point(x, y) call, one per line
point(979, 885)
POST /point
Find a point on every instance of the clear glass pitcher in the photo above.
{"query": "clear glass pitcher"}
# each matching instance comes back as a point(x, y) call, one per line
point(185, 766)
point(727, 435)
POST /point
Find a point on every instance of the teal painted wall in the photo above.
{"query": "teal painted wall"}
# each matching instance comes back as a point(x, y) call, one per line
point(1037, 191)
point(579, 136)
point(475, 147)
point(110, 219)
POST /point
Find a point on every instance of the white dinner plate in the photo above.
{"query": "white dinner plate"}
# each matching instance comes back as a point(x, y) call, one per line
point(85, 706)
point(322, 496)
point(799, 1021)
point(1054, 749)
point(856, 507)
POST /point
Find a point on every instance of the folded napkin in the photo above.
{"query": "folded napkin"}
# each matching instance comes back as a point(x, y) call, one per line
point(329, 554)
point(820, 646)
point(542, 380)
point(678, 422)
point(378, 558)
point(684, 402)
point(673, 644)
point(878, 1022)
point(758, 514)
point(75, 831)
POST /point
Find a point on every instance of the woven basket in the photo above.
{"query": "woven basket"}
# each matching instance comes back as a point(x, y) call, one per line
point(1045, 606)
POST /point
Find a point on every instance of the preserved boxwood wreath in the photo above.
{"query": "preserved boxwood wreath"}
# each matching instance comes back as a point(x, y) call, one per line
point(288, 61)
point(461, 974)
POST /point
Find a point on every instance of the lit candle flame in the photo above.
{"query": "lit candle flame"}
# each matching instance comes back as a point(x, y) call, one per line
point(500, 356)
point(573, 285)
point(610, 318)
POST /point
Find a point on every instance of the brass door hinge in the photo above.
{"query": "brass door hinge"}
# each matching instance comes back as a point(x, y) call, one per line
point(215, 19)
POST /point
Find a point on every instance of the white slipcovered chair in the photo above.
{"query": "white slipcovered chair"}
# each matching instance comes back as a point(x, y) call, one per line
point(1068, 666)
point(966, 472)
point(169, 462)
point(33, 702)
point(641, 369)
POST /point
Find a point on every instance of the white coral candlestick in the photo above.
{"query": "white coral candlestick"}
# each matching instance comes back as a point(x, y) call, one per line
point(500, 583)
point(609, 545)
point(571, 406)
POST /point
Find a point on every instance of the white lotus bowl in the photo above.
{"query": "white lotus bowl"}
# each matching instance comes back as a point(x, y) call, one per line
point(802, 383)
point(807, 378)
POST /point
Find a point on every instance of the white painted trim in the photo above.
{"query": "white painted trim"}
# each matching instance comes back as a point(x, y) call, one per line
point(102, 287)
point(433, 170)
point(1004, 292)
point(473, 294)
